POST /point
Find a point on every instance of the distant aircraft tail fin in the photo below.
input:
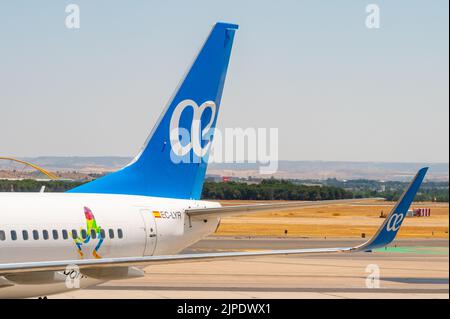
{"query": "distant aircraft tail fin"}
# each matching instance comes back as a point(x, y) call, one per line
point(174, 158)
point(388, 230)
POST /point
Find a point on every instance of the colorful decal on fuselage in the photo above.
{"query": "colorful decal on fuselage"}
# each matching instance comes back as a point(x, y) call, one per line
point(91, 226)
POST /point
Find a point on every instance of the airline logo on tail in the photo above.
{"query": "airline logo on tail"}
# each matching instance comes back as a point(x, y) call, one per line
point(394, 222)
point(193, 138)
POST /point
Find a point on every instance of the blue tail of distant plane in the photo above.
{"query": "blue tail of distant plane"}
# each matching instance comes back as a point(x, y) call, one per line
point(388, 230)
point(173, 161)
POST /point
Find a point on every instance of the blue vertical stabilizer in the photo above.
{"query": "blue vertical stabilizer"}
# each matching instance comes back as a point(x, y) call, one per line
point(173, 161)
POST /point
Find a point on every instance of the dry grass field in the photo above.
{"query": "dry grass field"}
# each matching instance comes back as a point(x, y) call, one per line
point(349, 220)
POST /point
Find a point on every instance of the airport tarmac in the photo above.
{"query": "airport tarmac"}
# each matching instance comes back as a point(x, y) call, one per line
point(407, 269)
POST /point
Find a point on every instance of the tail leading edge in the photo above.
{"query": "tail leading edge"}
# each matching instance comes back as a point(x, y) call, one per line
point(173, 161)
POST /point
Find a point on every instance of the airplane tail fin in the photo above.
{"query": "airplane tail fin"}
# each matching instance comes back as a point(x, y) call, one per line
point(173, 161)
point(388, 230)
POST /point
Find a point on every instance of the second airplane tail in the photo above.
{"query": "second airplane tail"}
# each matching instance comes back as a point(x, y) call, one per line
point(388, 230)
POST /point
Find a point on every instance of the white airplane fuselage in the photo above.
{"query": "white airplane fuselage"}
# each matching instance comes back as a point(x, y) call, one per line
point(40, 227)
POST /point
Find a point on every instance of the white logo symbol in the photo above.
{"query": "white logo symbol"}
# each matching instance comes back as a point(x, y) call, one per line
point(73, 18)
point(373, 19)
point(373, 278)
point(196, 134)
point(394, 222)
point(73, 275)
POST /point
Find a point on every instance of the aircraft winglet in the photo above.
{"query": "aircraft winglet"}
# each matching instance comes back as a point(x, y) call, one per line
point(388, 230)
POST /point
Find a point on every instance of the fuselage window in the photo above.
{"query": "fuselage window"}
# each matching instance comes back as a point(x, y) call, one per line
point(74, 234)
point(111, 233)
point(83, 234)
point(55, 234)
point(102, 233)
point(93, 234)
point(65, 235)
point(2, 235)
point(119, 233)
point(35, 234)
point(13, 235)
point(25, 235)
point(45, 234)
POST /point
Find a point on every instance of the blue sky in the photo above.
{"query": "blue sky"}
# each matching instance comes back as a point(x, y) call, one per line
point(335, 89)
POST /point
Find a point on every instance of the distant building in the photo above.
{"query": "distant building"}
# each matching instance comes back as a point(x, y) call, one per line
point(213, 178)
point(419, 212)
point(227, 179)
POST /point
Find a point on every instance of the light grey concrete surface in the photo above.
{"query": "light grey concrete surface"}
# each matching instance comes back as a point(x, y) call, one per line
point(412, 273)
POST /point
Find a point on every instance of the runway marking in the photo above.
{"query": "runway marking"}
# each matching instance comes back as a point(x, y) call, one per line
point(345, 266)
point(253, 275)
point(226, 250)
point(431, 281)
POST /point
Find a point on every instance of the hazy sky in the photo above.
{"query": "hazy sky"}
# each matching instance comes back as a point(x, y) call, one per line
point(335, 89)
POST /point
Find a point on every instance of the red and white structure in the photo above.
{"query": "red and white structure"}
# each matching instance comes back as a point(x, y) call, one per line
point(420, 212)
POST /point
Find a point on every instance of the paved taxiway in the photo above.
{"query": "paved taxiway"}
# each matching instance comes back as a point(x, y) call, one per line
point(413, 269)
